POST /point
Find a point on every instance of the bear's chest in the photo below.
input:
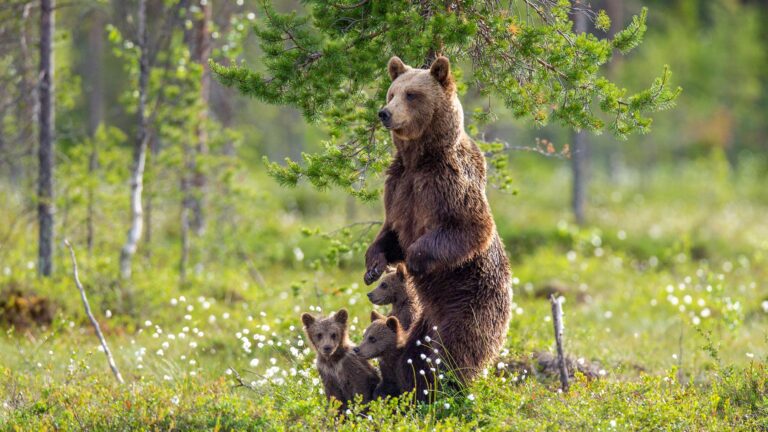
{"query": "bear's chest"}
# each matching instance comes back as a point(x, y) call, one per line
point(411, 209)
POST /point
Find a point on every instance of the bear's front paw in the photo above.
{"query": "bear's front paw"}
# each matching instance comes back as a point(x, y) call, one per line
point(375, 265)
point(419, 262)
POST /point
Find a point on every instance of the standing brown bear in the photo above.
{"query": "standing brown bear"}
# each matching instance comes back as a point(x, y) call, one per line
point(439, 222)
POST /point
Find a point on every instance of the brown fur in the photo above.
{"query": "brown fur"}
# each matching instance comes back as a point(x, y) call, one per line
point(439, 222)
point(395, 289)
point(344, 373)
point(385, 339)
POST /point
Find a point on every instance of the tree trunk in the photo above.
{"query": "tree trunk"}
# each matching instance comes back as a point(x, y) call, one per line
point(579, 150)
point(45, 205)
point(201, 51)
point(154, 149)
point(579, 170)
point(29, 102)
point(95, 111)
point(139, 151)
point(615, 10)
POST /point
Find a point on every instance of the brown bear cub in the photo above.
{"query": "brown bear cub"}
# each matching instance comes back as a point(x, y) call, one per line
point(395, 289)
point(385, 339)
point(344, 373)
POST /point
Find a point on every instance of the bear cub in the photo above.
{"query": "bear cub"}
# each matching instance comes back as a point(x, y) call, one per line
point(396, 289)
point(344, 373)
point(385, 339)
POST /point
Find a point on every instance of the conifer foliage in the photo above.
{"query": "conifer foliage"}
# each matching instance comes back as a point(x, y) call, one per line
point(330, 64)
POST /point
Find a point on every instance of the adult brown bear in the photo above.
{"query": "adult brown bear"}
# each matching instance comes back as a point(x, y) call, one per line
point(439, 222)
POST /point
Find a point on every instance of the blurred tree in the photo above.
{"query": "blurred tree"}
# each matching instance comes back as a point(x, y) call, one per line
point(330, 64)
point(139, 149)
point(579, 148)
point(45, 203)
point(95, 92)
point(198, 39)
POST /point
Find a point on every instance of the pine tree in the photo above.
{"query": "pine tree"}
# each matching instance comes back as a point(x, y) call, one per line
point(330, 64)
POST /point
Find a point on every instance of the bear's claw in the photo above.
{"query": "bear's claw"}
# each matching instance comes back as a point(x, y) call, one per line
point(372, 275)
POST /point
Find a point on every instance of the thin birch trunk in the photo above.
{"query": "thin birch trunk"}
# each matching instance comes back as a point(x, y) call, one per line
point(139, 152)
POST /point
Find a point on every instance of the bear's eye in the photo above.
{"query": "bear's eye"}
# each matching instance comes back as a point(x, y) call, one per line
point(333, 336)
point(383, 285)
point(371, 339)
point(410, 96)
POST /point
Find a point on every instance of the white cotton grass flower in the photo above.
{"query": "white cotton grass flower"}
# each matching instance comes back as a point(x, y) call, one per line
point(446, 405)
point(764, 306)
point(254, 362)
point(175, 400)
point(471, 397)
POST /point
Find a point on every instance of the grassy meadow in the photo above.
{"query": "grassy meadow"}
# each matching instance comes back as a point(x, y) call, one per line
point(665, 293)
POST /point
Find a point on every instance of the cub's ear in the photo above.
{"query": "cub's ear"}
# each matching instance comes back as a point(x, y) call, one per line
point(393, 324)
point(307, 319)
point(441, 70)
point(396, 67)
point(402, 272)
point(341, 316)
point(376, 316)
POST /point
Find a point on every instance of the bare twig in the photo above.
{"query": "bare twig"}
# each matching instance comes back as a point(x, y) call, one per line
point(88, 312)
point(240, 381)
point(557, 318)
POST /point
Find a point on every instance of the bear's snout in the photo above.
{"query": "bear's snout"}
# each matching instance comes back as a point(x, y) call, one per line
point(370, 295)
point(386, 117)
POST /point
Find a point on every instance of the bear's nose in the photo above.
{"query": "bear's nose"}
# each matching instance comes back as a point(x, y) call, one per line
point(356, 350)
point(370, 296)
point(385, 116)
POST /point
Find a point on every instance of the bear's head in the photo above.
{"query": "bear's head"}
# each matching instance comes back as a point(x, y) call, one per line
point(392, 288)
point(417, 97)
point(382, 336)
point(327, 335)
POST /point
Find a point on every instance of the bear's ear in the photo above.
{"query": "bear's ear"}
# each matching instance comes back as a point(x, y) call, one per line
point(307, 319)
point(441, 70)
point(396, 67)
point(376, 316)
point(402, 272)
point(393, 324)
point(341, 316)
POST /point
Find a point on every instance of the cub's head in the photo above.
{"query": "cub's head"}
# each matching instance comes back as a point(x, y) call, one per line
point(380, 337)
point(415, 95)
point(326, 334)
point(391, 288)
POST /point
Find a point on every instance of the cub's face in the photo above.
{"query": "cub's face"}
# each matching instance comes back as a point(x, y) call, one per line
point(380, 337)
point(414, 96)
point(326, 334)
point(390, 288)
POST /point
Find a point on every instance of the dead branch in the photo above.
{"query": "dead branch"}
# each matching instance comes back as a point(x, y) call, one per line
point(557, 318)
point(88, 312)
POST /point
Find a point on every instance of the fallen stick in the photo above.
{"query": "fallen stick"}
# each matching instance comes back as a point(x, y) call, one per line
point(95, 323)
point(557, 318)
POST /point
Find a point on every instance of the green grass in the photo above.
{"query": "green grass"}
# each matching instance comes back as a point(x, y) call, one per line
point(663, 290)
